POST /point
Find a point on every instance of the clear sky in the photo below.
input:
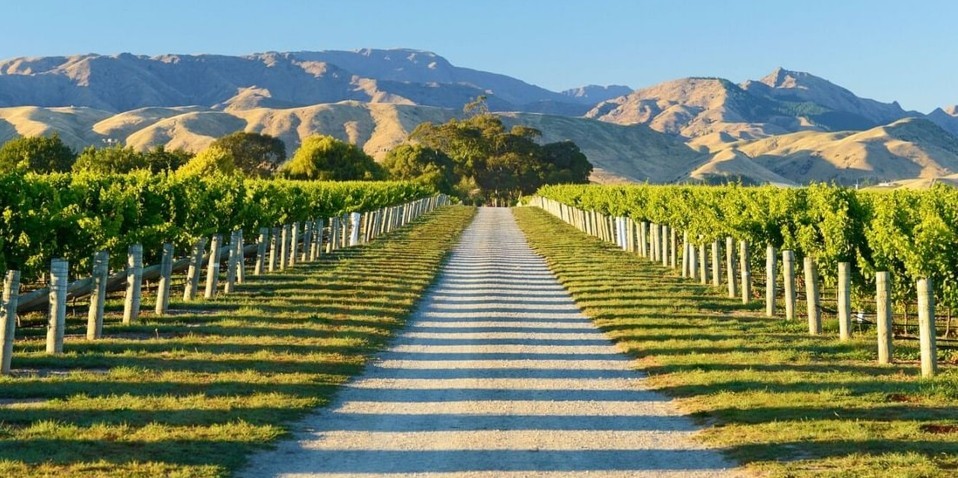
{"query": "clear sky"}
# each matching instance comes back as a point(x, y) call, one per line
point(883, 49)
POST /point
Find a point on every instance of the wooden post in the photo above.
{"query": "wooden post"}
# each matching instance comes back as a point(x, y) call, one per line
point(195, 269)
point(59, 269)
point(8, 319)
point(318, 241)
point(883, 316)
point(293, 244)
point(730, 267)
point(770, 274)
point(284, 248)
point(134, 284)
point(813, 299)
point(644, 240)
point(273, 249)
point(703, 265)
point(261, 251)
point(101, 271)
point(844, 301)
point(665, 246)
point(240, 258)
point(307, 240)
point(926, 328)
point(213, 268)
point(231, 263)
point(166, 278)
point(716, 265)
point(693, 264)
point(685, 254)
point(788, 279)
point(334, 233)
point(673, 252)
point(746, 271)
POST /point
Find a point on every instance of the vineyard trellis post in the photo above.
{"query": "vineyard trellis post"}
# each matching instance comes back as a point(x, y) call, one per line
point(883, 316)
point(213, 267)
point(134, 284)
point(926, 328)
point(8, 318)
point(59, 281)
point(746, 271)
point(166, 277)
point(195, 269)
point(730, 268)
point(770, 272)
point(101, 271)
point(812, 298)
point(788, 283)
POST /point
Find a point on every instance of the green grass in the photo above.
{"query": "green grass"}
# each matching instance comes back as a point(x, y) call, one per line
point(194, 393)
point(776, 399)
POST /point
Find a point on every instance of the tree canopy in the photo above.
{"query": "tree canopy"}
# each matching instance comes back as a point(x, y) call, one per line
point(419, 163)
point(255, 154)
point(41, 154)
point(492, 164)
point(117, 159)
point(326, 158)
point(211, 161)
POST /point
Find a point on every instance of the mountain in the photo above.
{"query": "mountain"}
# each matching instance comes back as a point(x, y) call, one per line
point(910, 148)
point(125, 82)
point(594, 94)
point(712, 112)
point(946, 118)
point(828, 105)
point(620, 153)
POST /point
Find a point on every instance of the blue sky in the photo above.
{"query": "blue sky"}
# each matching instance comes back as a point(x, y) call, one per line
point(882, 49)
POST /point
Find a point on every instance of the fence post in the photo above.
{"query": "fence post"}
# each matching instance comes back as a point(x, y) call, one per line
point(730, 267)
point(770, 274)
point(355, 219)
point(166, 273)
point(788, 279)
point(8, 319)
point(261, 251)
point(193, 272)
point(665, 246)
point(716, 264)
point(307, 241)
point(134, 284)
point(317, 250)
point(673, 246)
point(926, 328)
point(746, 271)
point(293, 245)
point(844, 301)
point(644, 239)
point(240, 258)
point(101, 271)
point(284, 248)
point(231, 263)
point(693, 261)
point(883, 316)
point(813, 299)
point(213, 268)
point(334, 233)
point(59, 269)
point(273, 248)
point(685, 254)
point(703, 265)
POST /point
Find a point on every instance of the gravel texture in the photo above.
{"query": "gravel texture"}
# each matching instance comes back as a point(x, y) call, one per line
point(498, 374)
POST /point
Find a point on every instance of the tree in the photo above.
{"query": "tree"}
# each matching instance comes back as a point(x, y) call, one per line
point(41, 154)
point(417, 162)
point(160, 159)
point(211, 161)
point(495, 165)
point(115, 159)
point(258, 155)
point(326, 158)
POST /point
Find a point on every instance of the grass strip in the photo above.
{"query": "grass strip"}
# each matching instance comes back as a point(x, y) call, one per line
point(194, 393)
point(774, 398)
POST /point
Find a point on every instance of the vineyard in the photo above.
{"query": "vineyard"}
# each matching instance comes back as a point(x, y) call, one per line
point(911, 234)
point(72, 216)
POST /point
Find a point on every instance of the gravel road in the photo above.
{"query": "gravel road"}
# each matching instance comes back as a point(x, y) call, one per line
point(498, 374)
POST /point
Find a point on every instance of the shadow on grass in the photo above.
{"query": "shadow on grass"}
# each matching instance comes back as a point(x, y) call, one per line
point(777, 393)
point(288, 339)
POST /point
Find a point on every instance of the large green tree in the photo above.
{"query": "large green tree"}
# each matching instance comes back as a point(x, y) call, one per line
point(117, 159)
point(419, 163)
point(209, 162)
point(258, 155)
point(326, 158)
point(41, 154)
point(493, 164)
